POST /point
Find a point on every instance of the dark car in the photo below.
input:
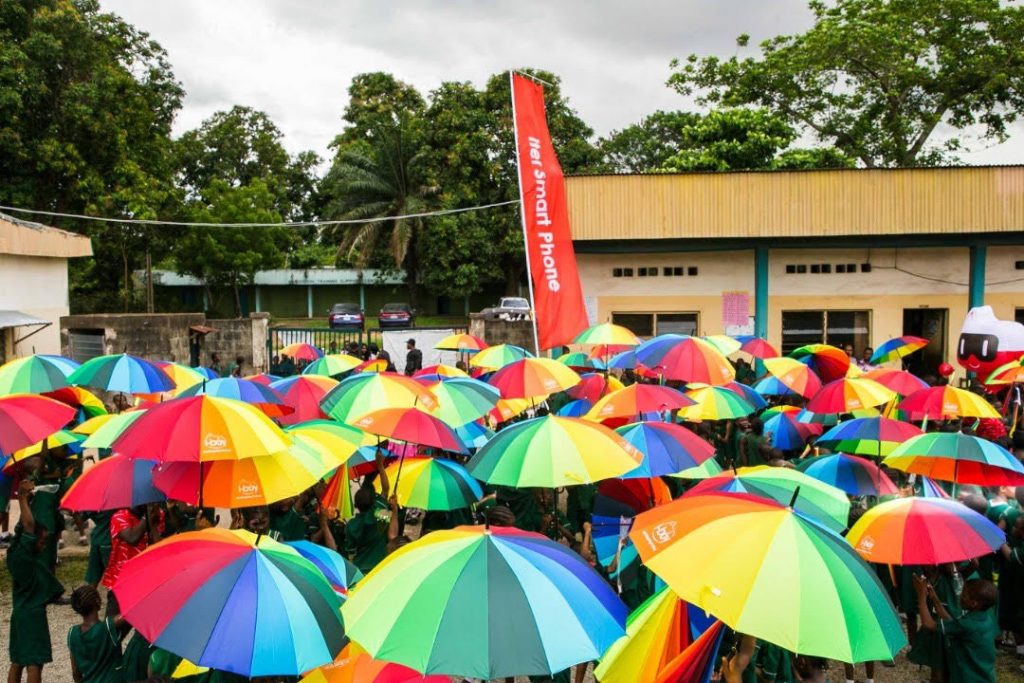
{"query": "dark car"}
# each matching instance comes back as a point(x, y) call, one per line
point(396, 315)
point(346, 317)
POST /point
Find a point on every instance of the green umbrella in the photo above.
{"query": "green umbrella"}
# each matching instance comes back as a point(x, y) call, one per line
point(461, 400)
point(332, 365)
point(111, 429)
point(35, 374)
point(715, 403)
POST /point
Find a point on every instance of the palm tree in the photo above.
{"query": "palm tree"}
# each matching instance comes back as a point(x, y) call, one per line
point(377, 179)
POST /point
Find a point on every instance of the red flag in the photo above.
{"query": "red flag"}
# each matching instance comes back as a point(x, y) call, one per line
point(559, 312)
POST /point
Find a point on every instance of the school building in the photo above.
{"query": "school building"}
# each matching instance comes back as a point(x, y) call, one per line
point(838, 256)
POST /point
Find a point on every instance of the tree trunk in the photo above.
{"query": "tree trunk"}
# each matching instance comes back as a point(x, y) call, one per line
point(412, 270)
point(513, 274)
point(238, 300)
point(149, 282)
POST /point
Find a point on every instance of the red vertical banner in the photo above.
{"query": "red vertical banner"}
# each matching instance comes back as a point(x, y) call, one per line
point(559, 312)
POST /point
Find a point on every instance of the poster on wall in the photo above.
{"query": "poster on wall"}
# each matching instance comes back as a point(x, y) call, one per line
point(590, 304)
point(746, 329)
point(735, 309)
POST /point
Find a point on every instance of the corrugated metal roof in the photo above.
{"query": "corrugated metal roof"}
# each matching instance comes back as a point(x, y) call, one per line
point(18, 319)
point(289, 276)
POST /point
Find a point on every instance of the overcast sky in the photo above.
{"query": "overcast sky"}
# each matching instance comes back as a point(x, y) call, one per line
point(295, 59)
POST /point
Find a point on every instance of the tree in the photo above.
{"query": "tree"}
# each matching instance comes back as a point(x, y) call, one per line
point(876, 78)
point(375, 100)
point(648, 145)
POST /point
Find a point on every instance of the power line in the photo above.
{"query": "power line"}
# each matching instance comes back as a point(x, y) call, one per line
point(287, 224)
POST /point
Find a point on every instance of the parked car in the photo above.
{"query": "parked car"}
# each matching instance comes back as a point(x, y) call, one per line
point(509, 308)
point(346, 317)
point(396, 315)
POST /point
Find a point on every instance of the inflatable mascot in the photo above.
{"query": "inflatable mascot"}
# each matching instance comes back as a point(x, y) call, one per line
point(987, 342)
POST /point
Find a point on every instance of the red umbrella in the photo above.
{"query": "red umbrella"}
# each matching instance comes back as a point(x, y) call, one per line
point(758, 348)
point(113, 483)
point(411, 425)
point(303, 393)
point(637, 495)
point(899, 381)
point(592, 386)
point(26, 419)
point(830, 363)
point(847, 395)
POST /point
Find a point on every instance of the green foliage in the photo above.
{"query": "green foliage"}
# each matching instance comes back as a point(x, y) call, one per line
point(648, 145)
point(876, 78)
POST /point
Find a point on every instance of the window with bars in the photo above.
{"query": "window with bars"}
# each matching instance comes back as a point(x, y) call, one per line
point(837, 328)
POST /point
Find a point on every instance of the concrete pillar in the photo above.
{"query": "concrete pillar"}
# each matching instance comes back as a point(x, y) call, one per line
point(976, 287)
point(259, 301)
point(362, 296)
point(761, 292)
point(309, 301)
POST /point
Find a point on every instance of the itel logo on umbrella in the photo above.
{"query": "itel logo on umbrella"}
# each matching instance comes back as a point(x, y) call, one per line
point(215, 443)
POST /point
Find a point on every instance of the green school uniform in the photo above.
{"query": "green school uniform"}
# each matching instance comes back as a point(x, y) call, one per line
point(136, 658)
point(33, 587)
point(366, 540)
point(289, 524)
point(996, 510)
point(750, 447)
point(928, 645)
point(579, 503)
point(775, 663)
point(971, 647)
point(523, 505)
point(44, 507)
point(97, 652)
point(99, 547)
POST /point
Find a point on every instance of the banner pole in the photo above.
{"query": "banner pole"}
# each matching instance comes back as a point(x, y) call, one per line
point(522, 214)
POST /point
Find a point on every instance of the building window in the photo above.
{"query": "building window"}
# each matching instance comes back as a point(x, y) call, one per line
point(85, 345)
point(641, 324)
point(837, 328)
point(1018, 315)
point(649, 324)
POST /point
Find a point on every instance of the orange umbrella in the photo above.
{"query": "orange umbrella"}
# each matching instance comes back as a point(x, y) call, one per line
point(533, 377)
point(793, 374)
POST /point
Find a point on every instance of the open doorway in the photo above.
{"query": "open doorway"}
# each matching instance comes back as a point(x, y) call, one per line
point(929, 323)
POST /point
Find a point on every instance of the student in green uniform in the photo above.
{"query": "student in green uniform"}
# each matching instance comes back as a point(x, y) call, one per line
point(775, 664)
point(99, 547)
point(970, 639)
point(1011, 578)
point(33, 586)
point(95, 644)
point(366, 537)
point(927, 649)
point(752, 445)
point(286, 521)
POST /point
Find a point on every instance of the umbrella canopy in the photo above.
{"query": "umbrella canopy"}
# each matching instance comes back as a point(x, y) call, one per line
point(462, 342)
point(113, 483)
point(259, 480)
point(850, 474)
point(412, 426)
point(576, 408)
point(93, 423)
point(533, 377)
point(946, 403)
point(894, 349)
point(496, 602)
point(656, 633)
point(332, 364)
point(59, 438)
point(302, 351)
point(303, 393)
point(878, 436)
point(201, 428)
point(607, 334)
point(89, 406)
point(709, 468)
point(122, 373)
point(796, 376)
point(338, 571)
point(715, 403)
point(784, 432)
point(233, 601)
point(183, 376)
point(770, 385)
point(111, 429)
point(821, 502)
point(263, 397)
point(747, 393)
point(828, 362)
point(1008, 373)
point(930, 489)
point(336, 438)
point(360, 394)
point(462, 399)
point(264, 378)
point(35, 374)
point(26, 419)
point(580, 361)
point(337, 495)
point(474, 434)
point(923, 531)
point(507, 408)
point(733, 556)
point(637, 399)
point(757, 347)
point(666, 448)
point(433, 484)
point(553, 451)
point(959, 458)
point(354, 665)
point(899, 381)
point(438, 373)
point(846, 395)
point(725, 344)
point(687, 359)
point(594, 385)
point(498, 356)
point(697, 661)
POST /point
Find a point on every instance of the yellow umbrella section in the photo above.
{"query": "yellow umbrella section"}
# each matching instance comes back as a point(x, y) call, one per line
point(62, 438)
point(656, 633)
point(331, 438)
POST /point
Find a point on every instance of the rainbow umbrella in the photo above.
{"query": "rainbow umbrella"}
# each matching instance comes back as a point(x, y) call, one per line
point(725, 344)
point(303, 393)
point(207, 373)
point(412, 426)
point(877, 436)
point(626, 360)
point(111, 484)
point(609, 534)
point(354, 665)
point(358, 395)
point(1007, 373)
point(637, 399)
point(946, 403)
point(438, 373)
point(263, 397)
point(709, 468)
point(697, 662)
point(84, 400)
point(433, 484)
point(657, 632)
point(923, 531)
point(93, 423)
point(608, 334)
point(58, 439)
point(498, 356)
point(553, 451)
point(461, 399)
point(107, 433)
point(821, 502)
point(183, 376)
point(533, 377)
point(715, 403)
point(794, 375)
point(687, 359)
point(122, 373)
point(258, 480)
point(372, 365)
point(462, 342)
point(337, 496)
point(852, 475)
point(847, 395)
point(264, 378)
point(898, 381)
point(828, 362)
point(35, 374)
point(332, 364)
point(785, 433)
point(496, 602)
point(666, 448)
point(895, 349)
point(474, 434)
point(594, 385)
point(581, 362)
point(302, 351)
point(733, 555)
point(338, 571)
point(747, 393)
point(577, 408)
point(336, 438)
point(757, 347)
point(201, 428)
point(929, 489)
point(959, 458)
point(234, 601)
point(770, 385)
point(508, 408)
point(26, 419)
